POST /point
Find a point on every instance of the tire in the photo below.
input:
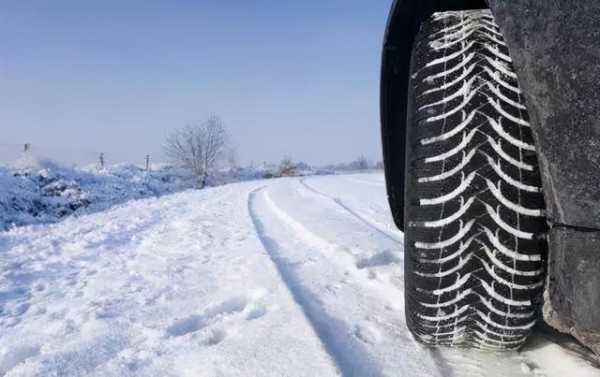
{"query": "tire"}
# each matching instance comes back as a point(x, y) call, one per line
point(474, 214)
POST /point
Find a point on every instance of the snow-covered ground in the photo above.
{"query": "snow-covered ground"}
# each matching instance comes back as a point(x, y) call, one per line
point(288, 277)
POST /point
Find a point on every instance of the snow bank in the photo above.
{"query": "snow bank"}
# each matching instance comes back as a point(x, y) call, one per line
point(34, 191)
point(41, 191)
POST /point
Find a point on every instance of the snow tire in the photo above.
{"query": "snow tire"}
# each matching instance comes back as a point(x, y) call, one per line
point(474, 210)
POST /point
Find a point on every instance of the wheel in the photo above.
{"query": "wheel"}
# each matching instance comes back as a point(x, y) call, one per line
point(474, 213)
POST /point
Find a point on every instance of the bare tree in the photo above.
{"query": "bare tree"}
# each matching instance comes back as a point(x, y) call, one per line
point(198, 148)
point(287, 168)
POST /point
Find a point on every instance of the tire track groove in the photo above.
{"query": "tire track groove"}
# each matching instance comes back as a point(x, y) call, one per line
point(354, 213)
point(325, 327)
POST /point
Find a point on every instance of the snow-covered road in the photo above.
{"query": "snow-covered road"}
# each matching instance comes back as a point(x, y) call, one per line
point(291, 277)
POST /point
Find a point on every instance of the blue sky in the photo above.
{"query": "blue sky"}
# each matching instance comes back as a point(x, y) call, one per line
point(287, 77)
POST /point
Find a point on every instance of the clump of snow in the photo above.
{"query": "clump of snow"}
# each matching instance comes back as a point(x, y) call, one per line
point(41, 191)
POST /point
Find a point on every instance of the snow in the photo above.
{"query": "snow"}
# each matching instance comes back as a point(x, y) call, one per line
point(41, 191)
point(286, 277)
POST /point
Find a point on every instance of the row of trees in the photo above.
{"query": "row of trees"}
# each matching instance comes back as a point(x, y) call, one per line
point(360, 164)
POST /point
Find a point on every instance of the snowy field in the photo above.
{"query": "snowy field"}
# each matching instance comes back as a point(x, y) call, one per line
point(289, 277)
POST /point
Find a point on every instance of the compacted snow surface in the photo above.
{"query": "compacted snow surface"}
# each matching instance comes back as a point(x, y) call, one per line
point(290, 277)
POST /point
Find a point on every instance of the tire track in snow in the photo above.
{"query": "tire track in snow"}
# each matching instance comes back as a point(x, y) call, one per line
point(315, 316)
point(348, 323)
point(370, 223)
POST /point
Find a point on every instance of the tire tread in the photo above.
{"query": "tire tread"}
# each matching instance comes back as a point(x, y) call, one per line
point(475, 238)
